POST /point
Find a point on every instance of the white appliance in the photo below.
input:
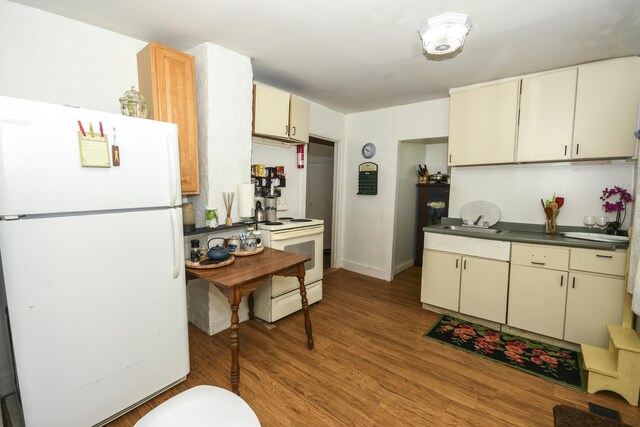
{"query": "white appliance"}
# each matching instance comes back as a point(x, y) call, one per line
point(280, 296)
point(92, 263)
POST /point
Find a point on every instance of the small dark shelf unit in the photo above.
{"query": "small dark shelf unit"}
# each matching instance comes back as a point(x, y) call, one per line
point(433, 204)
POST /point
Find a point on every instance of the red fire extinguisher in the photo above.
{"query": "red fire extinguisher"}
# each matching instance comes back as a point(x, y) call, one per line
point(300, 156)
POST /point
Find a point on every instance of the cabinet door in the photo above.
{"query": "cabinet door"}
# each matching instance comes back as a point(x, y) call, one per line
point(547, 104)
point(299, 119)
point(270, 112)
point(537, 299)
point(593, 301)
point(167, 80)
point(441, 279)
point(483, 288)
point(482, 124)
point(607, 109)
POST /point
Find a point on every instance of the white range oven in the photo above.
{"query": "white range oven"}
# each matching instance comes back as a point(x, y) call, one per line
point(281, 295)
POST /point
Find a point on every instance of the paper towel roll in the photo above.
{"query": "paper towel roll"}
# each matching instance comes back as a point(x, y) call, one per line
point(245, 200)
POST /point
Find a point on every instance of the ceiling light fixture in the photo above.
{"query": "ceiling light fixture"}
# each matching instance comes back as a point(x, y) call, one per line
point(443, 35)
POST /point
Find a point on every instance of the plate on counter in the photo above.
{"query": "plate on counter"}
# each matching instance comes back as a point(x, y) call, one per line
point(472, 210)
point(594, 237)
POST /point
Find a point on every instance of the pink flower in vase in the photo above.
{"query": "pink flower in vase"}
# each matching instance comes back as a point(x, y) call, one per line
point(618, 206)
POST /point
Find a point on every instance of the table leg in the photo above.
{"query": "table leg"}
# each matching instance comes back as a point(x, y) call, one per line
point(305, 306)
point(251, 305)
point(235, 347)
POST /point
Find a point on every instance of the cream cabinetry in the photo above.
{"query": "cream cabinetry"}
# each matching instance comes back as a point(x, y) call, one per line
point(167, 81)
point(585, 112)
point(538, 288)
point(470, 285)
point(606, 114)
point(280, 115)
point(595, 295)
point(465, 274)
point(566, 293)
point(482, 124)
point(483, 288)
point(547, 105)
point(441, 279)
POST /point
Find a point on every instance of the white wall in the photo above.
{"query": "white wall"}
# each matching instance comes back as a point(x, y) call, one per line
point(45, 57)
point(367, 222)
point(517, 189)
point(224, 99)
point(437, 155)
point(409, 155)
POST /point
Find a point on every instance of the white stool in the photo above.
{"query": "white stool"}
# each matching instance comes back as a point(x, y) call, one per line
point(201, 406)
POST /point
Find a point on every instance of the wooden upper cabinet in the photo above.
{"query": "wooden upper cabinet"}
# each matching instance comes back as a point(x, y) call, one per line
point(547, 103)
point(607, 109)
point(167, 80)
point(280, 115)
point(482, 124)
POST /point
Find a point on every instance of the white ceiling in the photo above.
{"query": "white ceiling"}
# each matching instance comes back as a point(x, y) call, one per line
point(359, 55)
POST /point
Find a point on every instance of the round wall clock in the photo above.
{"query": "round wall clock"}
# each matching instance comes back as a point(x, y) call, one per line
point(368, 150)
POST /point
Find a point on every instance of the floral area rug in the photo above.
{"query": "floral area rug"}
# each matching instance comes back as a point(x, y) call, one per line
point(544, 360)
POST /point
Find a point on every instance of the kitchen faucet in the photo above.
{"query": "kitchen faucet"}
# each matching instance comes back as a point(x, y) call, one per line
point(477, 220)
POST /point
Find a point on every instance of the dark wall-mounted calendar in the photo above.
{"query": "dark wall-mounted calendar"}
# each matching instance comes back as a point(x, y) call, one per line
point(368, 178)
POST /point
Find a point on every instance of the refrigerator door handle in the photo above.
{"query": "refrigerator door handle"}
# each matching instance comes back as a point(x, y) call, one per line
point(175, 227)
point(173, 173)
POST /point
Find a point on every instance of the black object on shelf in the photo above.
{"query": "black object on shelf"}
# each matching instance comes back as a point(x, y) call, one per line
point(207, 230)
point(433, 204)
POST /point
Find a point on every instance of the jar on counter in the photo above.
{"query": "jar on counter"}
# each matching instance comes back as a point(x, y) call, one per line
point(195, 250)
point(233, 244)
point(211, 219)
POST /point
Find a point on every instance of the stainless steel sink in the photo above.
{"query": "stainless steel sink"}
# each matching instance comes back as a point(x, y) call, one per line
point(471, 229)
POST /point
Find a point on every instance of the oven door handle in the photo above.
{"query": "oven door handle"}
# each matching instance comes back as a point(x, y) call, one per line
point(292, 234)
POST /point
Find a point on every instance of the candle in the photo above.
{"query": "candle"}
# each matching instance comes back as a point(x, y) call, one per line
point(189, 217)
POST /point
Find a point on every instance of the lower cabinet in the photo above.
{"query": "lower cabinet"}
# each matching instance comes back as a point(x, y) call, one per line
point(561, 302)
point(470, 285)
point(537, 298)
point(593, 301)
point(561, 292)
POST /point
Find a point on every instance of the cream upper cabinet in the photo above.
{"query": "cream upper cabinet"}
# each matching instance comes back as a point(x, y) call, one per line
point(607, 109)
point(441, 279)
point(482, 124)
point(547, 103)
point(299, 119)
point(270, 112)
point(483, 288)
point(280, 115)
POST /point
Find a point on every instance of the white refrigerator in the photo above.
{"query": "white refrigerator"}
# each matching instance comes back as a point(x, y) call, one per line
point(92, 261)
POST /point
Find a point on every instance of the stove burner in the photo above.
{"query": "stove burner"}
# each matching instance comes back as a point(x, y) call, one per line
point(285, 218)
point(301, 220)
point(273, 223)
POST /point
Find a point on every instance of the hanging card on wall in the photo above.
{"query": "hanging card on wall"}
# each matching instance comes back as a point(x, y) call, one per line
point(94, 150)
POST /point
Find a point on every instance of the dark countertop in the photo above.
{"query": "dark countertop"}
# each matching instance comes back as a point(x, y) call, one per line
point(527, 233)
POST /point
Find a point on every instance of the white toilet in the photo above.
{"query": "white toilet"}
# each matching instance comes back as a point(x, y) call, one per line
point(201, 406)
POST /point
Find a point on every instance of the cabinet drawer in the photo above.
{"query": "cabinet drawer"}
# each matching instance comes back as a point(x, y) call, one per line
point(540, 256)
point(605, 262)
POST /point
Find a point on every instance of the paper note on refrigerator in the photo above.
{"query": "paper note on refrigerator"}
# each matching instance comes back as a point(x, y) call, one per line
point(94, 151)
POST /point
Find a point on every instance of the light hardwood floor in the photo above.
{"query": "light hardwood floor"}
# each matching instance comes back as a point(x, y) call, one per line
point(372, 366)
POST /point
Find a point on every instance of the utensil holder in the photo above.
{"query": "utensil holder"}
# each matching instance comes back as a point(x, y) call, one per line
point(550, 225)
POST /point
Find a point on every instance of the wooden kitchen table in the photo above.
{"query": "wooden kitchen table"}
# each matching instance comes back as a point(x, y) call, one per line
point(245, 275)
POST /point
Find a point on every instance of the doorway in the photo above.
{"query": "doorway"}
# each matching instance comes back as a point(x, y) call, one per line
point(433, 153)
point(319, 200)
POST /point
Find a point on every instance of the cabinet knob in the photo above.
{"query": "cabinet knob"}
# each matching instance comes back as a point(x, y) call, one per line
point(294, 130)
point(561, 280)
point(604, 256)
point(286, 129)
point(537, 263)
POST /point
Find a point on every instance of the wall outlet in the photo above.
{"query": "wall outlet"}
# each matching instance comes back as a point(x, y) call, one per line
point(282, 204)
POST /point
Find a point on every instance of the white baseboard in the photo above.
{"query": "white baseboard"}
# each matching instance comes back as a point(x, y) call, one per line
point(367, 270)
point(402, 267)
